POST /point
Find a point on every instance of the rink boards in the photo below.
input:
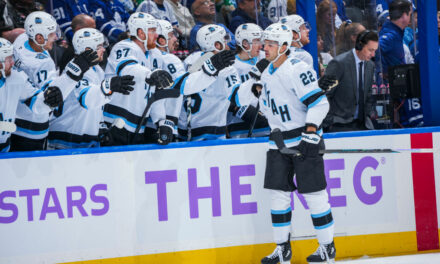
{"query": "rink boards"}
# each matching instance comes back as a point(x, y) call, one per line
point(204, 202)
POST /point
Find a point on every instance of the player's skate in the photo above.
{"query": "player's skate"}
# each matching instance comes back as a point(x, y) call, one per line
point(324, 254)
point(282, 254)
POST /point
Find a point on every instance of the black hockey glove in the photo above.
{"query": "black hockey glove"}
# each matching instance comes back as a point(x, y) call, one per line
point(256, 89)
point(218, 62)
point(118, 84)
point(76, 68)
point(309, 145)
point(327, 82)
point(159, 78)
point(53, 96)
point(258, 69)
point(165, 132)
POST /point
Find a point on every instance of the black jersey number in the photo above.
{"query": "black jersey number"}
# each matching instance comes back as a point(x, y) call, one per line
point(122, 52)
point(307, 77)
point(196, 102)
point(6, 120)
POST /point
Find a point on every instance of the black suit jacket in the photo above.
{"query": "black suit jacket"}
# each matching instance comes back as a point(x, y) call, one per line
point(343, 98)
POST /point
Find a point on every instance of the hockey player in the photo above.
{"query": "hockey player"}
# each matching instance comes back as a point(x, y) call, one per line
point(292, 102)
point(240, 119)
point(210, 99)
point(31, 55)
point(137, 56)
point(300, 30)
point(78, 120)
point(15, 87)
point(167, 43)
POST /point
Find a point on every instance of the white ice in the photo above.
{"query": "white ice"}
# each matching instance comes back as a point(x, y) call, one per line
point(428, 258)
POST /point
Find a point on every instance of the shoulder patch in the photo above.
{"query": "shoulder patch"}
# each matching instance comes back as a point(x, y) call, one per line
point(41, 56)
point(294, 61)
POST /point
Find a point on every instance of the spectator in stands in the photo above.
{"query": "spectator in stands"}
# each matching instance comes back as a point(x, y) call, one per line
point(64, 11)
point(346, 36)
point(204, 13)
point(410, 39)
point(110, 16)
point(391, 35)
point(351, 102)
point(13, 15)
point(325, 23)
point(323, 57)
point(78, 22)
point(160, 10)
point(340, 16)
point(248, 11)
point(183, 16)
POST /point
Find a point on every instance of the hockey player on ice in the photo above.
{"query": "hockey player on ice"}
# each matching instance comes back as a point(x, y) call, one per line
point(78, 121)
point(209, 99)
point(167, 43)
point(138, 56)
point(293, 102)
point(249, 43)
point(31, 55)
point(15, 87)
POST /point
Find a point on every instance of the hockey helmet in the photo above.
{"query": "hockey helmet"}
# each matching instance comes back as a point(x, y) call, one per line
point(87, 38)
point(6, 49)
point(163, 29)
point(143, 21)
point(248, 32)
point(295, 22)
point(279, 33)
point(210, 34)
point(42, 23)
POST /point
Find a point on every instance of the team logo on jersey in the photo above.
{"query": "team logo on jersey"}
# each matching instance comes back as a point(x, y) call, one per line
point(41, 56)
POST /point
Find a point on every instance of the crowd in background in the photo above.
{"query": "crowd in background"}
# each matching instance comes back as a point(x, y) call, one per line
point(339, 23)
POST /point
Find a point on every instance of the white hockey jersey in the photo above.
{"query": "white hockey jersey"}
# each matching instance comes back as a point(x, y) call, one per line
point(176, 68)
point(78, 121)
point(237, 128)
point(41, 71)
point(302, 55)
point(127, 58)
point(210, 102)
point(290, 99)
point(17, 89)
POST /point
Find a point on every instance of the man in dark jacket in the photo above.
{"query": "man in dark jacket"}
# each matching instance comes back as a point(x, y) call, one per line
point(247, 12)
point(391, 34)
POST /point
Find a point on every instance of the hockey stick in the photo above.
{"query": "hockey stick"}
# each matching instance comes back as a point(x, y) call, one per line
point(254, 118)
point(7, 127)
point(158, 95)
point(277, 137)
point(199, 62)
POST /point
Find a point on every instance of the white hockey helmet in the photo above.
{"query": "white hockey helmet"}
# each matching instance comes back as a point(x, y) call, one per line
point(210, 34)
point(279, 33)
point(295, 22)
point(248, 32)
point(143, 21)
point(87, 38)
point(163, 29)
point(6, 49)
point(42, 23)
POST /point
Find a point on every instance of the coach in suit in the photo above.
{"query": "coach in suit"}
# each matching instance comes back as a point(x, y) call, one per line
point(351, 102)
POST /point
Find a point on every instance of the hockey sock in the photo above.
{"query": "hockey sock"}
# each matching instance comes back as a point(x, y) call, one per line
point(281, 213)
point(321, 215)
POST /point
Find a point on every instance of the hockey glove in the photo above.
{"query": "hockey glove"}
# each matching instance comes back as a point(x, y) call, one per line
point(309, 145)
point(159, 78)
point(218, 62)
point(118, 84)
point(327, 82)
point(256, 89)
point(165, 132)
point(76, 68)
point(53, 96)
point(258, 69)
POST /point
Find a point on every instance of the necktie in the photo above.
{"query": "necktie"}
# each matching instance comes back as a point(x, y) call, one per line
point(361, 93)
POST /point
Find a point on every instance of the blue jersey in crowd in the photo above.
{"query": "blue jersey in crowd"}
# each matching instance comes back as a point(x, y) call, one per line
point(64, 11)
point(391, 45)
